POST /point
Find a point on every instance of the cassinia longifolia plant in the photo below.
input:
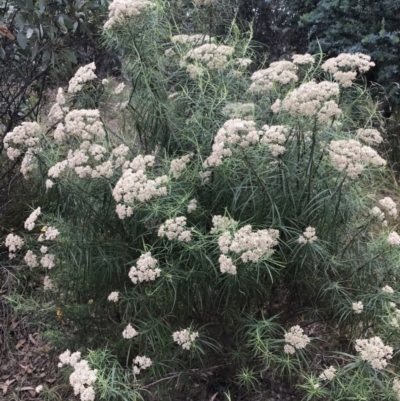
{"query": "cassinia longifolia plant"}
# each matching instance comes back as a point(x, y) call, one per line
point(233, 218)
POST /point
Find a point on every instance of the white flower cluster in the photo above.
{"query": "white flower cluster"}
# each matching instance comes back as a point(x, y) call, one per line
point(27, 164)
point(83, 75)
point(31, 259)
point(38, 389)
point(343, 67)
point(82, 378)
point(295, 338)
point(374, 351)
point(175, 229)
point(300, 59)
point(84, 124)
point(328, 374)
point(311, 99)
point(243, 111)
point(24, 136)
point(47, 283)
point(308, 236)
point(350, 156)
point(113, 296)
point(274, 137)
point(233, 132)
point(121, 10)
point(242, 62)
point(145, 269)
point(226, 265)
point(192, 206)
point(179, 164)
point(375, 211)
point(390, 206)
point(251, 245)
point(50, 233)
point(13, 243)
point(369, 136)
point(140, 363)
point(214, 57)
point(282, 72)
point(254, 245)
point(47, 261)
point(129, 332)
point(135, 185)
point(388, 289)
point(185, 338)
point(357, 307)
point(81, 124)
point(58, 109)
point(193, 40)
point(394, 238)
point(30, 221)
point(395, 320)
point(221, 224)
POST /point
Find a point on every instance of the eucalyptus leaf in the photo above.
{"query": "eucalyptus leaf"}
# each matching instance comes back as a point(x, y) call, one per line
point(22, 40)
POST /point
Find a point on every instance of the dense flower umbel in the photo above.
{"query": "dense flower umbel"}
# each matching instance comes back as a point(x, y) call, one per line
point(344, 66)
point(357, 307)
point(374, 351)
point(30, 221)
point(390, 206)
point(113, 296)
point(350, 156)
point(175, 229)
point(303, 59)
point(394, 238)
point(311, 99)
point(280, 72)
point(185, 338)
point(233, 132)
point(369, 136)
point(308, 236)
point(145, 269)
point(388, 289)
point(295, 338)
point(192, 206)
point(328, 374)
point(21, 138)
point(140, 363)
point(214, 57)
point(83, 75)
point(13, 243)
point(179, 164)
point(31, 259)
point(82, 378)
point(121, 10)
point(129, 332)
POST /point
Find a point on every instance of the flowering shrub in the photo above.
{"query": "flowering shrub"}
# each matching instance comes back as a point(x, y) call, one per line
point(230, 202)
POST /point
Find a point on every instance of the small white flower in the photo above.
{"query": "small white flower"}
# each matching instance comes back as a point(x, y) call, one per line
point(129, 332)
point(358, 307)
point(328, 374)
point(38, 389)
point(388, 289)
point(113, 297)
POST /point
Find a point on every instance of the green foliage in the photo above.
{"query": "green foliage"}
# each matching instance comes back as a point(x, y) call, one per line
point(118, 228)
